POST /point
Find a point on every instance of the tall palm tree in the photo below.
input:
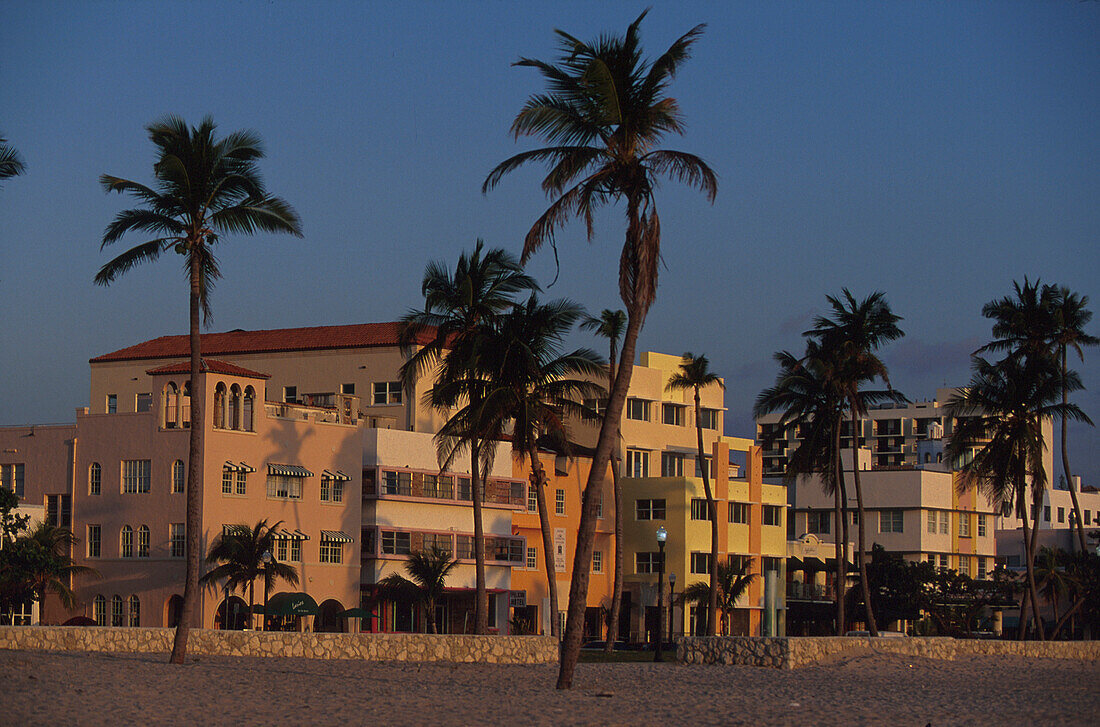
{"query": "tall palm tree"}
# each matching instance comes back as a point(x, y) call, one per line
point(856, 331)
point(11, 164)
point(535, 387)
point(604, 115)
point(695, 375)
point(238, 556)
point(205, 187)
point(733, 581)
point(811, 405)
point(460, 310)
point(610, 325)
point(999, 422)
point(428, 571)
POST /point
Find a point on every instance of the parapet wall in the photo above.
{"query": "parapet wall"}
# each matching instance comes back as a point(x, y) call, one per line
point(367, 647)
point(794, 652)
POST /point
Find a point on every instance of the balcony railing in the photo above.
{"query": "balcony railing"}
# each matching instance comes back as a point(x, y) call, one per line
point(809, 592)
point(498, 549)
point(441, 487)
point(346, 411)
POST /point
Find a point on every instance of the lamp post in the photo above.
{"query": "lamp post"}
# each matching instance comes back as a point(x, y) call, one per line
point(267, 558)
point(662, 536)
point(671, 600)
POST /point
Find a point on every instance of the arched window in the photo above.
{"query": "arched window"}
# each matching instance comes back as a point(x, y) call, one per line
point(126, 548)
point(134, 611)
point(143, 543)
point(95, 479)
point(99, 610)
point(185, 405)
point(116, 610)
point(171, 406)
point(235, 407)
point(177, 477)
point(219, 406)
point(248, 407)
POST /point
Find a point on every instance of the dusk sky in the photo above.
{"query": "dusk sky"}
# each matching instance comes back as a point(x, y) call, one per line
point(935, 151)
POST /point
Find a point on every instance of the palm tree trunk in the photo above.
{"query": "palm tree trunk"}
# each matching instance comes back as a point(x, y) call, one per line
point(712, 510)
point(872, 627)
point(586, 529)
point(840, 536)
point(617, 492)
point(430, 605)
point(1029, 558)
point(193, 519)
point(1065, 617)
point(538, 481)
point(1065, 463)
point(481, 598)
point(251, 603)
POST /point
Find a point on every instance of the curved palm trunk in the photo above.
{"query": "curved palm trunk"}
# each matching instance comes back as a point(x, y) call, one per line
point(617, 492)
point(429, 603)
point(586, 530)
point(538, 481)
point(712, 508)
point(840, 537)
point(1065, 463)
point(1029, 558)
point(872, 627)
point(481, 603)
point(193, 518)
point(251, 603)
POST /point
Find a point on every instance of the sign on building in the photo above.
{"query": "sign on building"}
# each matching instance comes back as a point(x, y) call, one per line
point(559, 550)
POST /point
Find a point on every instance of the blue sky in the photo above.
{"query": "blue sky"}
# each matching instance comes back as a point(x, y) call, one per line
point(935, 151)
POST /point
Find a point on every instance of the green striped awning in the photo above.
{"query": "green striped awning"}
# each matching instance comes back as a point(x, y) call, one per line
point(336, 536)
point(337, 475)
point(290, 535)
point(288, 470)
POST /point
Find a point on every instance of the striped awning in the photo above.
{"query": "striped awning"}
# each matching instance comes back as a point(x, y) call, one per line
point(337, 475)
point(336, 536)
point(245, 468)
point(237, 467)
point(290, 535)
point(288, 470)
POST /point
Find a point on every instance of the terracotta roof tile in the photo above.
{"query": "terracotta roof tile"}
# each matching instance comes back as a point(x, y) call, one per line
point(315, 338)
point(209, 364)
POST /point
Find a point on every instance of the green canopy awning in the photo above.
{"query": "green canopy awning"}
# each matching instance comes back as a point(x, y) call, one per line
point(357, 613)
point(291, 604)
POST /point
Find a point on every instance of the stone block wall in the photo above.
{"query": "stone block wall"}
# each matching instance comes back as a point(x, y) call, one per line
point(368, 647)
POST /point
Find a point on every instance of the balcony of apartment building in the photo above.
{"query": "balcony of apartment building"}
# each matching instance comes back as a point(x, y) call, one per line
point(887, 428)
point(317, 408)
point(381, 483)
point(393, 543)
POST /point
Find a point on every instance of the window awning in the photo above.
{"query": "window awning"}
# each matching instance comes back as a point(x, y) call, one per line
point(237, 467)
point(336, 536)
point(288, 470)
point(337, 475)
point(245, 468)
point(290, 535)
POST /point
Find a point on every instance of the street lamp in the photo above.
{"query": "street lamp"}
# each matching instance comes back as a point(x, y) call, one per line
point(671, 600)
point(266, 558)
point(662, 536)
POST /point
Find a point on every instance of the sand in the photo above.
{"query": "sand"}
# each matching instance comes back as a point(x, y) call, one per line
point(68, 688)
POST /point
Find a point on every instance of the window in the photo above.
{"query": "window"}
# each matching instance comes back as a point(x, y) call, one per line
point(559, 502)
point(1046, 513)
point(95, 534)
point(134, 612)
point(532, 499)
point(932, 522)
point(290, 394)
point(135, 475)
point(332, 551)
point(1088, 518)
point(219, 406)
point(637, 409)
point(647, 562)
point(95, 479)
point(395, 543)
point(597, 561)
point(247, 408)
point(708, 418)
point(532, 559)
point(112, 403)
point(599, 507)
point(981, 526)
point(400, 483)
point(964, 525)
point(699, 510)
point(981, 569)
point(945, 526)
point(891, 521)
point(773, 515)
point(242, 482)
point(295, 554)
point(177, 540)
point(964, 565)
point(739, 562)
point(672, 414)
point(1061, 514)
point(855, 517)
point(143, 541)
point(144, 402)
point(739, 512)
point(943, 562)
point(347, 389)
point(387, 392)
point(227, 481)
point(59, 510)
point(126, 547)
point(598, 406)
point(637, 463)
point(177, 477)
point(700, 563)
point(818, 521)
point(99, 610)
point(649, 509)
point(12, 477)
point(116, 610)
point(672, 464)
point(284, 487)
point(705, 470)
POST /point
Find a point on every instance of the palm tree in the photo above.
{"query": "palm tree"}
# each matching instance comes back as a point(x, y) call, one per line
point(534, 386)
point(205, 187)
point(451, 331)
point(428, 571)
point(999, 422)
point(806, 394)
point(858, 329)
point(610, 325)
point(239, 558)
point(11, 164)
point(604, 115)
point(42, 562)
point(732, 581)
point(695, 374)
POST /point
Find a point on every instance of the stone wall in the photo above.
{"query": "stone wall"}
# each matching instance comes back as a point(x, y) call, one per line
point(791, 653)
point(368, 647)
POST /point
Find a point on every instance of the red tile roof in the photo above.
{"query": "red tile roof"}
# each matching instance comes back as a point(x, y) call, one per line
point(209, 364)
point(315, 338)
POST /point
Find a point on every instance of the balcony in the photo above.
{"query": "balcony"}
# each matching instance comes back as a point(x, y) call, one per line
point(809, 592)
point(448, 488)
point(346, 413)
point(498, 549)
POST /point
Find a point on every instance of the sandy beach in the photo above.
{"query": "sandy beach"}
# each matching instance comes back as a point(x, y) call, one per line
point(42, 687)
